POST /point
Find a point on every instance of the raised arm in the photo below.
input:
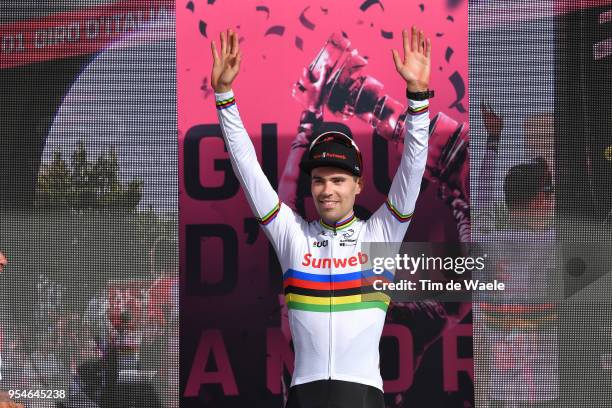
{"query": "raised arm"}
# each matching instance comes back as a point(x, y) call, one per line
point(485, 203)
point(278, 220)
point(390, 222)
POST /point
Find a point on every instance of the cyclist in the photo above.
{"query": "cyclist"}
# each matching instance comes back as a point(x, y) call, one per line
point(336, 331)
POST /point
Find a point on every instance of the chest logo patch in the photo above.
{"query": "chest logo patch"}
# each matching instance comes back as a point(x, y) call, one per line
point(352, 261)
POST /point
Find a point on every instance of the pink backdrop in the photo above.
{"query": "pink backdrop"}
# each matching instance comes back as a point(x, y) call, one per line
point(271, 64)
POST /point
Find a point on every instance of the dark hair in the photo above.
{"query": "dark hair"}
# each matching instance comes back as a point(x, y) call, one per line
point(524, 182)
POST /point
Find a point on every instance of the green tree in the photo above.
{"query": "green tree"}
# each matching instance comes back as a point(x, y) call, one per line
point(86, 185)
point(54, 184)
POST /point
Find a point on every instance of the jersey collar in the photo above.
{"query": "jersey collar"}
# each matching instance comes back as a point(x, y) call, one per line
point(339, 225)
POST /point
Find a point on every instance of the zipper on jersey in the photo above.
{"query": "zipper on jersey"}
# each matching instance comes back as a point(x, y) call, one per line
point(331, 287)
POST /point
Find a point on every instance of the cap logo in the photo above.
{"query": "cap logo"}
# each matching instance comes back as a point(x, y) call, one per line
point(324, 155)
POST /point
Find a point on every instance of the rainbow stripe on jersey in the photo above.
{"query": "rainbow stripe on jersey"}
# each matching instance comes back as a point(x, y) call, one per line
point(226, 103)
point(345, 223)
point(418, 110)
point(334, 293)
point(398, 215)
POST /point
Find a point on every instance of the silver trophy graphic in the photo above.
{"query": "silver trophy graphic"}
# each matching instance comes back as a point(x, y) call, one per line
point(348, 91)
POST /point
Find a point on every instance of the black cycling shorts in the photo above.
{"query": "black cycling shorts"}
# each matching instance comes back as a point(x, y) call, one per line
point(334, 394)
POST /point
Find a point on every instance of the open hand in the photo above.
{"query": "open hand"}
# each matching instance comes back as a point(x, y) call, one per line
point(226, 64)
point(415, 68)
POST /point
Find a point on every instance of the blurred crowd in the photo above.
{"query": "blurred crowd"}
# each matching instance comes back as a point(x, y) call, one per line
point(120, 350)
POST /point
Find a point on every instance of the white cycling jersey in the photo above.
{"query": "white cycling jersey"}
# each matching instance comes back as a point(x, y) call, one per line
point(335, 320)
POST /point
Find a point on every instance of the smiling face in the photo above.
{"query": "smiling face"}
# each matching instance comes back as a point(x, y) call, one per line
point(333, 191)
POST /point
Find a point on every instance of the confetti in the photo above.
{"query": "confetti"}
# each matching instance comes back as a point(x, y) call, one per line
point(386, 34)
point(211, 1)
point(449, 54)
point(205, 88)
point(190, 6)
point(324, 10)
point(369, 3)
point(457, 82)
point(345, 35)
point(305, 22)
point(422, 7)
point(439, 34)
point(203, 28)
point(277, 30)
point(265, 10)
point(451, 19)
point(299, 42)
